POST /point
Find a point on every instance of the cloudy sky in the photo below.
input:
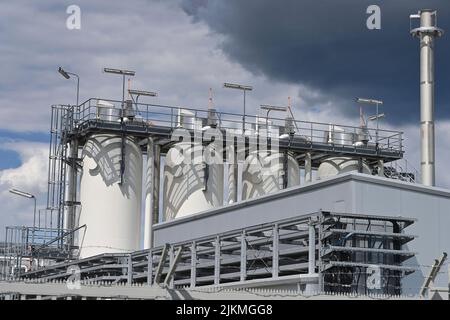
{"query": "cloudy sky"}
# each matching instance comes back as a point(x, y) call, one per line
point(319, 52)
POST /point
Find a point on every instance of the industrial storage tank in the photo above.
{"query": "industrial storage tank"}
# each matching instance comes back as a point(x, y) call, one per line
point(263, 173)
point(110, 208)
point(190, 186)
point(339, 136)
point(336, 165)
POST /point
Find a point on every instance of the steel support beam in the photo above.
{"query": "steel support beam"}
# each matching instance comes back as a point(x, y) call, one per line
point(428, 282)
point(233, 178)
point(312, 249)
point(275, 251)
point(156, 182)
point(243, 276)
point(193, 264)
point(173, 266)
point(308, 167)
point(162, 261)
point(149, 186)
point(149, 267)
point(217, 259)
point(70, 218)
point(130, 270)
point(380, 166)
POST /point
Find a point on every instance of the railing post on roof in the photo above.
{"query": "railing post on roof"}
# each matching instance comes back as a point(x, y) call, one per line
point(275, 251)
point(193, 264)
point(217, 258)
point(130, 270)
point(312, 248)
point(243, 257)
point(149, 267)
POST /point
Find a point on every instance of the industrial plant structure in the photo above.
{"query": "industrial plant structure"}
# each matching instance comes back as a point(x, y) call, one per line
point(306, 207)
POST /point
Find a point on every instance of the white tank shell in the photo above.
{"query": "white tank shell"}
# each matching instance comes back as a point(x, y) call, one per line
point(185, 192)
point(110, 210)
point(261, 176)
point(337, 165)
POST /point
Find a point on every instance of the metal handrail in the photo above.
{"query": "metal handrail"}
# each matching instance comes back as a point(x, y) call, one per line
point(163, 115)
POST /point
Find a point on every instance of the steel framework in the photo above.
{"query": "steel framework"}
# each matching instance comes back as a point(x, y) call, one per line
point(331, 250)
point(309, 142)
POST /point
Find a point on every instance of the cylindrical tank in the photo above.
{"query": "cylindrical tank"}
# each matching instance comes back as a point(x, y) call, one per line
point(106, 111)
point(336, 165)
point(338, 135)
point(263, 173)
point(190, 186)
point(110, 209)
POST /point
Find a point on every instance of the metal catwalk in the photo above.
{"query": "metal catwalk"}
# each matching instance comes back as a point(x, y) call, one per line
point(331, 250)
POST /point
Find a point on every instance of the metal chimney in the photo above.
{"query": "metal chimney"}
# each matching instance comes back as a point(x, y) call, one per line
point(427, 32)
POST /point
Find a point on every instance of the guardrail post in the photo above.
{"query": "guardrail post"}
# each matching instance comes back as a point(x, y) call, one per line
point(149, 268)
point(193, 264)
point(275, 251)
point(217, 261)
point(243, 257)
point(312, 249)
point(130, 270)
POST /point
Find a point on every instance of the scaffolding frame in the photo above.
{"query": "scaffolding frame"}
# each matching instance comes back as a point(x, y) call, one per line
point(273, 251)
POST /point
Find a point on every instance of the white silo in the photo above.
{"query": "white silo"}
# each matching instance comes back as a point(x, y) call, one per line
point(263, 170)
point(190, 186)
point(263, 173)
point(110, 209)
point(337, 165)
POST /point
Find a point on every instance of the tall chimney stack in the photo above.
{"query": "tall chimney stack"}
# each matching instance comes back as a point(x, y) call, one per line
point(427, 32)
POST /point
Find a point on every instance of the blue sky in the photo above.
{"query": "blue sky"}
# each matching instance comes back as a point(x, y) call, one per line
point(10, 158)
point(317, 52)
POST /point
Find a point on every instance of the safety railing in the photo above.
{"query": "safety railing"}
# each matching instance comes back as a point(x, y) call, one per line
point(402, 170)
point(154, 115)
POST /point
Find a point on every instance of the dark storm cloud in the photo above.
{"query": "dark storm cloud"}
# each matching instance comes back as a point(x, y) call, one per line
point(325, 45)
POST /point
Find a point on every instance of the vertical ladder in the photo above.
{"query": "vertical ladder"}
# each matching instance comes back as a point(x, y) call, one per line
point(60, 123)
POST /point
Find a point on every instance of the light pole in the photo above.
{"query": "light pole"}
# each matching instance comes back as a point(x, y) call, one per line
point(67, 75)
point(377, 116)
point(123, 73)
point(269, 108)
point(243, 88)
point(139, 93)
point(29, 196)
